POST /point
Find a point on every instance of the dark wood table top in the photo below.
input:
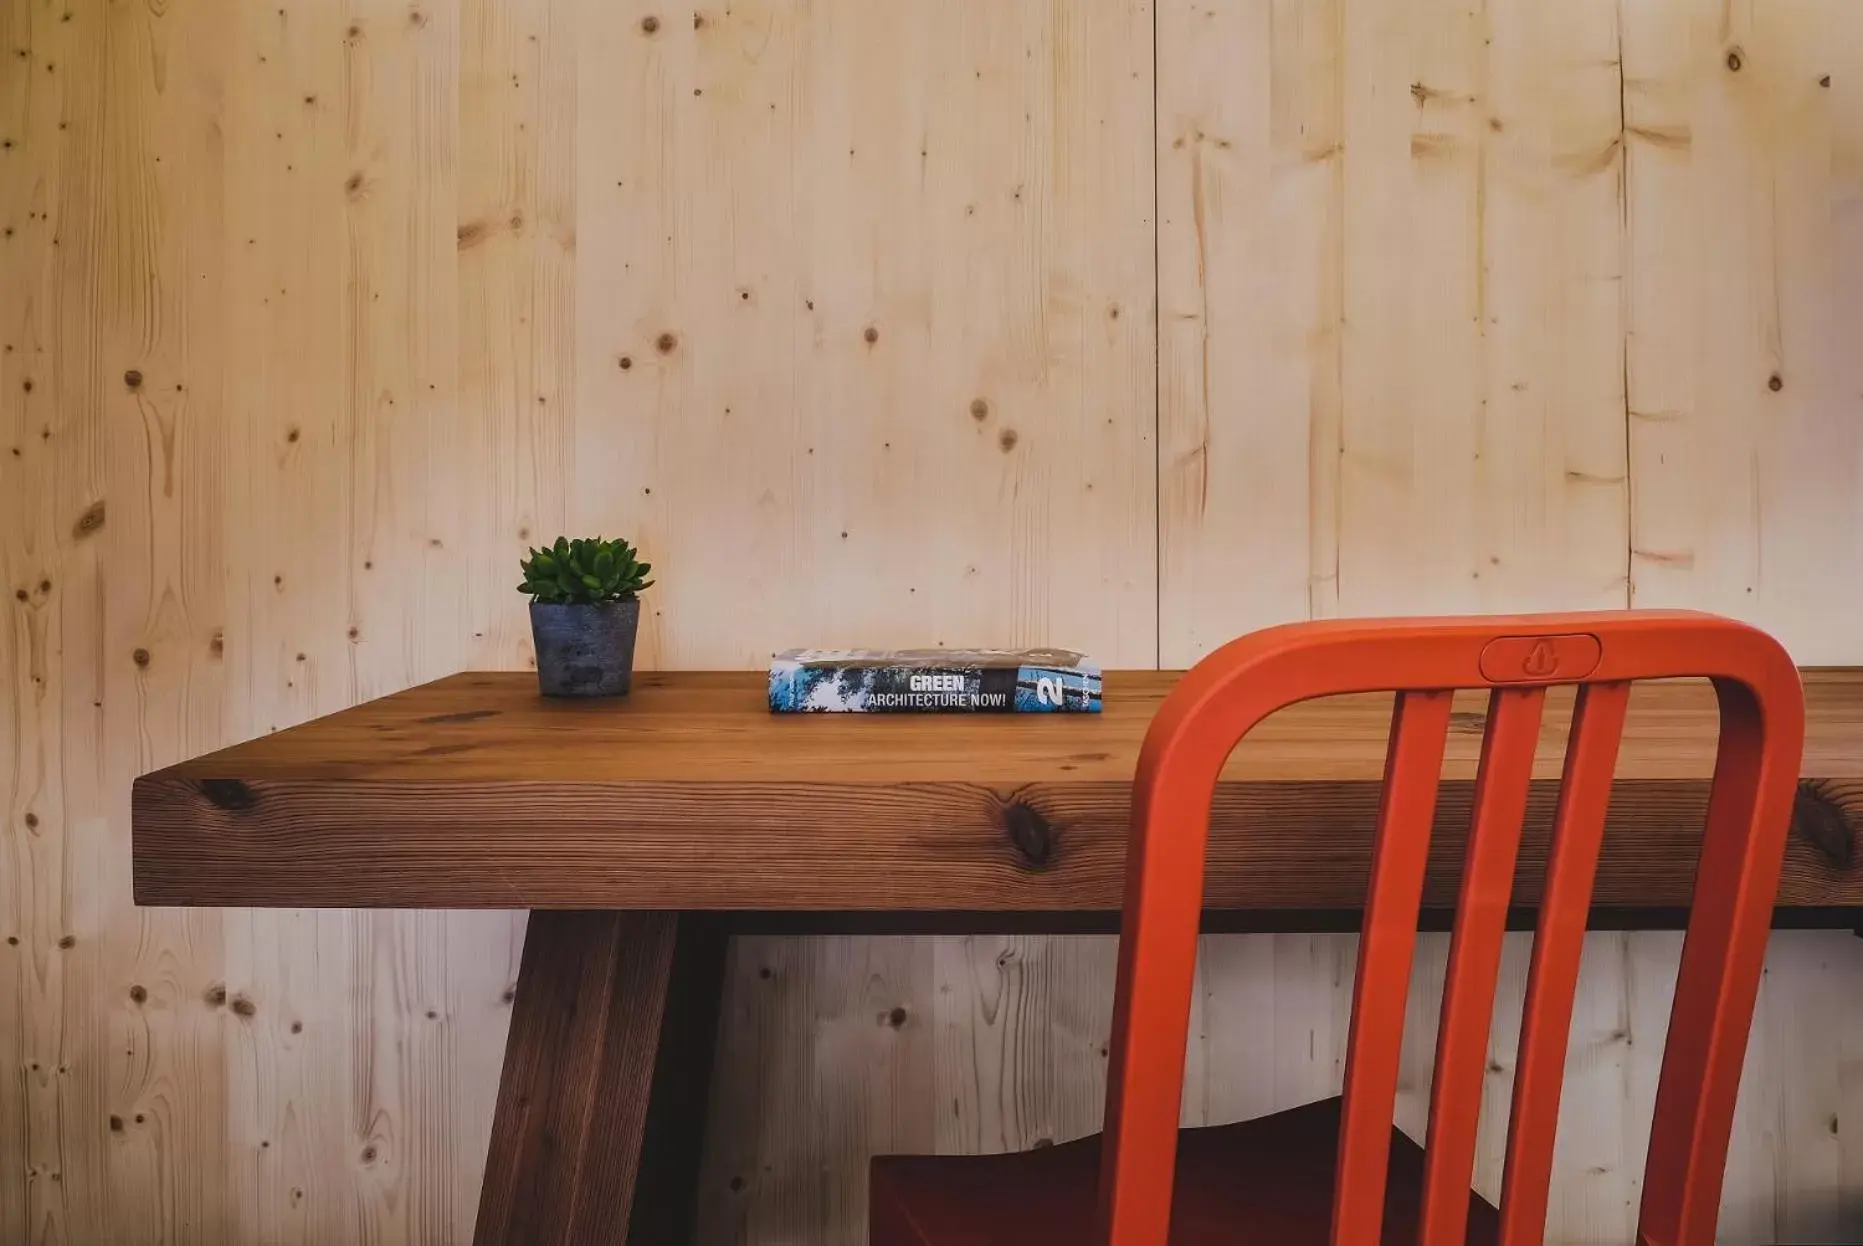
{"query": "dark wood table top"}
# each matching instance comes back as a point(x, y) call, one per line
point(473, 791)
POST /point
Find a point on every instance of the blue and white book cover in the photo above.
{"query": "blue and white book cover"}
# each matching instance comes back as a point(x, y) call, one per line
point(1003, 681)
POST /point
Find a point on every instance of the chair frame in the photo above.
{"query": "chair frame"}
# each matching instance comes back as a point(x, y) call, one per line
point(1424, 661)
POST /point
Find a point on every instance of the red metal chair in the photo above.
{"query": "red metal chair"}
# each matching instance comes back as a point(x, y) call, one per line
point(1337, 1171)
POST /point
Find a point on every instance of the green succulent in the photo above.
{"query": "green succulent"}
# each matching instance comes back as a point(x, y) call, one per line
point(584, 571)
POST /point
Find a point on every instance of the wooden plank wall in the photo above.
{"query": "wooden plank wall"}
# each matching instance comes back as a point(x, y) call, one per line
point(1127, 325)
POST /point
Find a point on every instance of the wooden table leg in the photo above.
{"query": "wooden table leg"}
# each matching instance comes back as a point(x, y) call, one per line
point(601, 1108)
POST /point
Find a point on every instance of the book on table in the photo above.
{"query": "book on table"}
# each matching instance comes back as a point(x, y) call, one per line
point(1005, 681)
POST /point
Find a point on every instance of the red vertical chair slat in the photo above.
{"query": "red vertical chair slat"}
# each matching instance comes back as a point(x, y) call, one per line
point(1558, 944)
point(1412, 769)
point(1742, 850)
point(1507, 748)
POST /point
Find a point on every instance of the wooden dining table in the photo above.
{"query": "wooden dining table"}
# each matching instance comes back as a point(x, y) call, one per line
point(641, 833)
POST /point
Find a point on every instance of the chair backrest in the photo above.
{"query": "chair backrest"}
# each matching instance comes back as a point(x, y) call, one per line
point(1423, 661)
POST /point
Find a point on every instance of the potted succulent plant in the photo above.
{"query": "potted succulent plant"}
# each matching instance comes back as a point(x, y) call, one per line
point(584, 612)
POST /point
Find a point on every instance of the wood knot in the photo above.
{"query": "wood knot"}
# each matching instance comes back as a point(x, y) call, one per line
point(140, 657)
point(67, 942)
point(871, 335)
point(1735, 60)
point(232, 795)
point(215, 995)
point(244, 1007)
point(649, 24)
point(665, 343)
point(1007, 439)
point(1775, 382)
point(1030, 832)
point(138, 994)
point(89, 522)
point(979, 409)
point(116, 1124)
point(896, 1019)
point(1821, 821)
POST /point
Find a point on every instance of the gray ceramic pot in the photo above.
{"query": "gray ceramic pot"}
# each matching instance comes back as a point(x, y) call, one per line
point(585, 650)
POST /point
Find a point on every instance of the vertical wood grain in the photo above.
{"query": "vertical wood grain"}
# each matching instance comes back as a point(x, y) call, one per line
point(875, 345)
point(1786, 1169)
point(159, 389)
point(1483, 438)
point(1021, 1044)
point(1743, 179)
point(1274, 1012)
point(53, 807)
point(825, 1057)
point(1251, 182)
point(509, 445)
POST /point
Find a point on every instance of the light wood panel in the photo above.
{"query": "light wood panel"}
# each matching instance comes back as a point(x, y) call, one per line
point(422, 235)
point(1251, 268)
point(1482, 435)
point(163, 426)
point(825, 1056)
point(52, 796)
point(1391, 326)
point(873, 355)
point(1745, 139)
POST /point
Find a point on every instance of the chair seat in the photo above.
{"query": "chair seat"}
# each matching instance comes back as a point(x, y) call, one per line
point(1269, 1180)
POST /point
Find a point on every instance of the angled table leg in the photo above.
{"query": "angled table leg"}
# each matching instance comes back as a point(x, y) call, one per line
point(601, 1108)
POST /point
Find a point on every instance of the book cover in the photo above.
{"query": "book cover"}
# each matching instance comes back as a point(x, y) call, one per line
point(1002, 681)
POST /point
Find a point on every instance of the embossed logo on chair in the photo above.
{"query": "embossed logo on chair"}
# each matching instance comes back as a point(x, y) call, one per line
point(1568, 656)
